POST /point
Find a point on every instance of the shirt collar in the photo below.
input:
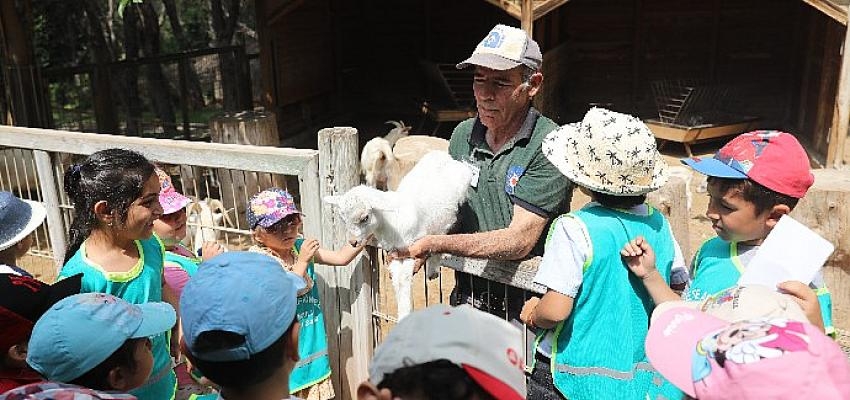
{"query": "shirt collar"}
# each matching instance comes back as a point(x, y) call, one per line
point(477, 137)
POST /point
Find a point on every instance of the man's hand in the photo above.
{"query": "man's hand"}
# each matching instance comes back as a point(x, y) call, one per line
point(527, 310)
point(806, 298)
point(418, 251)
point(639, 256)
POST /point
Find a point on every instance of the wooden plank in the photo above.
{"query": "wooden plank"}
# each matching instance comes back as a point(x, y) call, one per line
point(542, 8)
point(50, 198)
point(214, 155)
point(349, 318)
point(836, 10)
point(841, 116)
point(527, 17)
point(513, 273)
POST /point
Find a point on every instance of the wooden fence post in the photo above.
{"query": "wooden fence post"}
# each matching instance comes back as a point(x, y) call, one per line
point(50, 193)
point(349, 319)
point(825, 210)
point(671, 201)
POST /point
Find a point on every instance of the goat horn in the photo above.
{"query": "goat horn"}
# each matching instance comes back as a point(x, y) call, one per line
point(397, 124)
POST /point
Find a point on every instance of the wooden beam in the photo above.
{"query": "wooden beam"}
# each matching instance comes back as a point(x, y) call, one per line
point(841, 115)
point(545, 7)
point(527, 17)
point(835, 9)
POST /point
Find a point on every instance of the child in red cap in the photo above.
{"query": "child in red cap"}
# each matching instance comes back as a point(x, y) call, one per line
point(753, 181)
point(22, 301)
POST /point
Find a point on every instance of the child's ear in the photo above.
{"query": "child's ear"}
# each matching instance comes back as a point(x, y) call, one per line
point(776, 213)
point(119, 379)
point(257, 235)
point(368, 391)
point(18, 352)
point(103, 213)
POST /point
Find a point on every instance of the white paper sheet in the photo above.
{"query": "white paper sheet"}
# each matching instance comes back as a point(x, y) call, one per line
point(791, 252)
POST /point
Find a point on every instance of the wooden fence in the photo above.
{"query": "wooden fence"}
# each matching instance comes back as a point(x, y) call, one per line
point(356, 298)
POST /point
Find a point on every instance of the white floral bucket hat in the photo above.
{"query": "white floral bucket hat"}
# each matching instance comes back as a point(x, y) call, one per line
point(608, 152)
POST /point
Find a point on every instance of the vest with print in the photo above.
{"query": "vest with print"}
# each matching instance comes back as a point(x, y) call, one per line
point(314, 365)
point(716, 267)
point(599, 348)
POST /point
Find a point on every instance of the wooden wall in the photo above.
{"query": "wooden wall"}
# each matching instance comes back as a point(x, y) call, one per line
point(819, 66)
point(351, 61)
point(613, 49)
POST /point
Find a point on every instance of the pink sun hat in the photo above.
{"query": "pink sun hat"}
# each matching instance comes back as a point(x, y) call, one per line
point(764, 358)
point(171, 200)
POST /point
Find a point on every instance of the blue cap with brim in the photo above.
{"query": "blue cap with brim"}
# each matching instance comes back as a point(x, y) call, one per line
point(81, 331)
point(245, 293)
point(713, 167)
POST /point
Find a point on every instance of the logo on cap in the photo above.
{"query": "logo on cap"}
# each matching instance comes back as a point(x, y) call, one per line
point(493, 40)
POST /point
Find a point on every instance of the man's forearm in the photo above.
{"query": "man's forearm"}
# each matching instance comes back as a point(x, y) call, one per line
point(501, 244)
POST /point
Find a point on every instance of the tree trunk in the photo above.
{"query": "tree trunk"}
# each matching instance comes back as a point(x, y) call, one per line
point(158, 85)
point(104, 104)
point(223, 24)
point(28, 104)
point(131, 75)
point(194, 94)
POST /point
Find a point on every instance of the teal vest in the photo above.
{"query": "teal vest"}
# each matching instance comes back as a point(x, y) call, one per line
point(599, 348)
point(189, 264)
point(716, 267)
point(142, 284)
point(314, 365)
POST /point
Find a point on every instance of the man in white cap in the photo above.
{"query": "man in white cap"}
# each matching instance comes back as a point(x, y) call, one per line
point(516, 192)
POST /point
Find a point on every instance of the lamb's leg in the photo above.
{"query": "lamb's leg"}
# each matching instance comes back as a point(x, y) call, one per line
point(401, 273)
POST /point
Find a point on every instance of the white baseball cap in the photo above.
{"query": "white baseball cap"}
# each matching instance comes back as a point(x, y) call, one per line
point(743, 302)
point(489, 349)
point(503, 48)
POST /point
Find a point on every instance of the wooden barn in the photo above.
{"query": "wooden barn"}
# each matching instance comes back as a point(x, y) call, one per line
point(341, 62)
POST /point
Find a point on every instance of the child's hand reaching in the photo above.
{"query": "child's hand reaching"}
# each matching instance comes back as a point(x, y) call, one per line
point(639, 257)
point(308, 251)
point(528, 309)
point(211, 249)
point(806, 298)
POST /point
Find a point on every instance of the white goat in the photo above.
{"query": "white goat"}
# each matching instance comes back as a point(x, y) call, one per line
point(202, 219)
point(377, 163)
point(426, 203)
point(401, 130)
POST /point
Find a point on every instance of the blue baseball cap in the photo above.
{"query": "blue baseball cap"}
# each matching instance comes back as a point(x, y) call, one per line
point(245, 293)
point(81, 331)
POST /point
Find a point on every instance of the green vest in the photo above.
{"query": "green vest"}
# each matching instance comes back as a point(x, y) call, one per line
point(716, 267)
point(142, 284)
point(599, 349)
point(314, 365)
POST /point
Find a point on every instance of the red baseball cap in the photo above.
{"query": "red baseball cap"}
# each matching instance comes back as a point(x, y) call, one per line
point(23, 300)
point(773, 159)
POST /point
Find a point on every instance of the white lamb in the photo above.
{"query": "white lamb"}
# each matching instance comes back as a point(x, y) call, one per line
point(202, 217)
point(426, 203)
point(377, 163)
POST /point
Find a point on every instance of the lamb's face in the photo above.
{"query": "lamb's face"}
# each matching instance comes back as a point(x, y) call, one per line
point(356, 214)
